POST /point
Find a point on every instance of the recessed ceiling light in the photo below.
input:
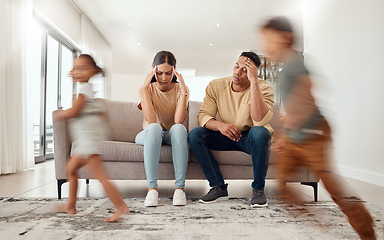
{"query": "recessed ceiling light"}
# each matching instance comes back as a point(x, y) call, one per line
point(218, 25)
point(138, 44)
point(211, 44)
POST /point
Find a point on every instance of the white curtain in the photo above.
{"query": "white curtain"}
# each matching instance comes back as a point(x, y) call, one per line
point(94, 43)
point(16, 144)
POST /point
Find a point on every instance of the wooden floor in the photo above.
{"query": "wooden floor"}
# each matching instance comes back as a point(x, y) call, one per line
point(40, 182)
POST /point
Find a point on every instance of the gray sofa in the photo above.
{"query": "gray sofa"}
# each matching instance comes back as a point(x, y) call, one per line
point(124, 159)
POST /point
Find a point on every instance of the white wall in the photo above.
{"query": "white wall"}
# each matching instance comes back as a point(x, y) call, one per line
point(62, 14)
point(125, 87)
point(69, 22)
point(346, 38)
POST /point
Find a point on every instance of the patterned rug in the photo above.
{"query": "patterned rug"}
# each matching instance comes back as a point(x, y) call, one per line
point(234, 219)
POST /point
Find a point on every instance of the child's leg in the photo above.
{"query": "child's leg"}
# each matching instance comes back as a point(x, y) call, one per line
point(358, 216)
point(74, 163)
point(288, 162)
point(97, 168)
point(342, 195)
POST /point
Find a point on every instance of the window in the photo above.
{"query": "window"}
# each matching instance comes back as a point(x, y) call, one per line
point(49, 61)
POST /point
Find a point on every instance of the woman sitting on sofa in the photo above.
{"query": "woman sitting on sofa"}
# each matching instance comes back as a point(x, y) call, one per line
point(164, 102)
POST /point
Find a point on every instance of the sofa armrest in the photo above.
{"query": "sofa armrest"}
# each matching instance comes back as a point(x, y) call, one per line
point(62, 147)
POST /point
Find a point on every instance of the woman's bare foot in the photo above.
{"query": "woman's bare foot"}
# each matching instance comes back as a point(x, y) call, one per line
point(65, 208)
point(117, 215)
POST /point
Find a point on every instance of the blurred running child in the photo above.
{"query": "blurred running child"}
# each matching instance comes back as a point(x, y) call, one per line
point(88, 131)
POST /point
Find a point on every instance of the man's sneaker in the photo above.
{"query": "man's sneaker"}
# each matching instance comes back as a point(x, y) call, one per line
point(179, 198)
point(216, 194)
point(152, 199)
point(258, 199)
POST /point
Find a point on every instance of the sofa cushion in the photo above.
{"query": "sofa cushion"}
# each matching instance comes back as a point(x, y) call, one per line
point(130, 152)
point(124, 119)
point(194, 108)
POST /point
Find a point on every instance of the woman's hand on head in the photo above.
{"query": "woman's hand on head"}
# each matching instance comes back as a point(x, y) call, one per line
point(149, 77)
point(183, 87)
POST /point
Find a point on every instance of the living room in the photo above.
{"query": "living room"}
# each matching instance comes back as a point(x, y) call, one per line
point(341, 42)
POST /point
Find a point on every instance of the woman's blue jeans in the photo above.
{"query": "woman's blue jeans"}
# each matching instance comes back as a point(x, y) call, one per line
point(255, 142)
point(152, 137)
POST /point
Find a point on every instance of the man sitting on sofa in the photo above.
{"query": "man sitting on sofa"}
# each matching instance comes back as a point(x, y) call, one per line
point(244, 104)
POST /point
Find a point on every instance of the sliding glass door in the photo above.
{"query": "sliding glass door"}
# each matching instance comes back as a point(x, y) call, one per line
point(49, 61)
point(66, 86)
point(51, 94)
point(34, 65)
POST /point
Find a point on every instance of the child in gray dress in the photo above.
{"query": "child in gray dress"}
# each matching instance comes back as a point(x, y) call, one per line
point(88, 131)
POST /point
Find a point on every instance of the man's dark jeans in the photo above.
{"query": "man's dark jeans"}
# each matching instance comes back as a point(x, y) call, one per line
point(255, 142)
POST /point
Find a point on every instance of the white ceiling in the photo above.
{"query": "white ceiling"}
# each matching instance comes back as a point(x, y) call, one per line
point(185, 28)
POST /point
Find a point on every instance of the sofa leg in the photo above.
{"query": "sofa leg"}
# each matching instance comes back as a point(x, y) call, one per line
point(315, 188)
point(59, 183)
point(87, 181)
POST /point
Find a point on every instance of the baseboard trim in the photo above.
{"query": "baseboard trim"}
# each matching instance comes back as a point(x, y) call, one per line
point(362, 175)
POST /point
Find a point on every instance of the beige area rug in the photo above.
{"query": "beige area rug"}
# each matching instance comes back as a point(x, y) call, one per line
point(234, 219)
